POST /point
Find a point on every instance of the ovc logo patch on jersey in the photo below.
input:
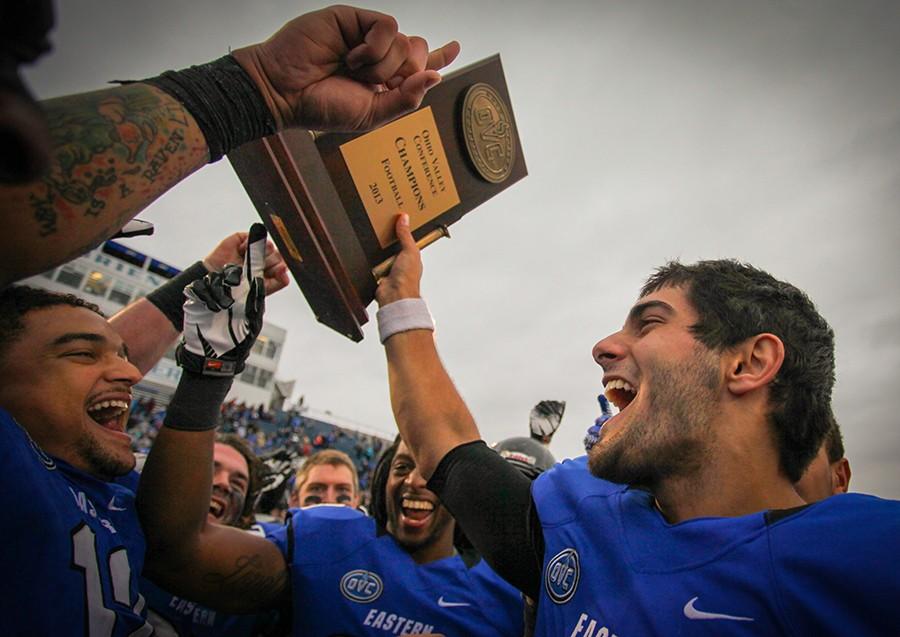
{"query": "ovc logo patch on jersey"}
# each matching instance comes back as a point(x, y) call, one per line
point(361, 586)
point(562, 575)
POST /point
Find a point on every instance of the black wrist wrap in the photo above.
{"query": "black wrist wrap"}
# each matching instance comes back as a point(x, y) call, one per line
point(224, 101)
point(169, 297)
point(196, 403)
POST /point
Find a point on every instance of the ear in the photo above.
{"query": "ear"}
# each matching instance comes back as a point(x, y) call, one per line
point(754, 363)
point(840, 476)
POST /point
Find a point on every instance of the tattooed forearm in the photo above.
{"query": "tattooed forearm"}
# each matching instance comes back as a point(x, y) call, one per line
point(161, 157)
point(102, 142)
point(44, 214)
point(114, 152)
point(260, 587)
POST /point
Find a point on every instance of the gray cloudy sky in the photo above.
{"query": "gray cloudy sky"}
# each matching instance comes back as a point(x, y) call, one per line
point(766, 131)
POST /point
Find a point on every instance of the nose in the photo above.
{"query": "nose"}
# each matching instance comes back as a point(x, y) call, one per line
point(332, 495)
point(609, 350)
point(415, 480)
point(220, 479)
point(123, 370)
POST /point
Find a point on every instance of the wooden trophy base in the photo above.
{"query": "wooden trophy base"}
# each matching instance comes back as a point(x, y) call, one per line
point(330, 200)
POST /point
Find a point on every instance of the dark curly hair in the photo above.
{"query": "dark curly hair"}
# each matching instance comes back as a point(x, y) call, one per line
point(378, 486)
point(735, 301)
point(834, 441)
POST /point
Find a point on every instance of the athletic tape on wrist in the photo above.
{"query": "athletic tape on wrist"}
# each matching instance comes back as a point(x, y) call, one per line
point(197, 402)
point(402, 316)
point(169, 297)
point(224, 101)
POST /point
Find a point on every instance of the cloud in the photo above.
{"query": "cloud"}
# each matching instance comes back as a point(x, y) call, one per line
point(652, 130)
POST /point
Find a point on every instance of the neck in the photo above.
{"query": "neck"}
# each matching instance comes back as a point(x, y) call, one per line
point(741, 476)
point(685, 499)
point(439, 548)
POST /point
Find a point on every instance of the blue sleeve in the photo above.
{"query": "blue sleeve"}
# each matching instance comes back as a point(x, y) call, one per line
point(279, 534)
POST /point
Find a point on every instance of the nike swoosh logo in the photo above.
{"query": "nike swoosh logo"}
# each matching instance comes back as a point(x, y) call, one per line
point(444, 604)
point(112, 505)
point(692, 613)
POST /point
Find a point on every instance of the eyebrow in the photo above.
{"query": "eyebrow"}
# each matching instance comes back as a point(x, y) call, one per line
point(236, 474)
point(91, 337)
point(79, 336)
point(635, 313)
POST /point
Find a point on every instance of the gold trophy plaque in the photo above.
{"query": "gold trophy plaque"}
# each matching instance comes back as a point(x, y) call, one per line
point(329, 200)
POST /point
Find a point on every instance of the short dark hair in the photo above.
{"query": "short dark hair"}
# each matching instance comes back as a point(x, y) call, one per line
point(257, 470)
point(834, 441)
point(378, 486)
point(735, 301)
point(18, 300)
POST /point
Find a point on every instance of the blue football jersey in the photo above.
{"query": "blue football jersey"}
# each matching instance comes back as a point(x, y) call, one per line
point(349, 580)
point(614, 566)
point(72, 547)
point(174, 616)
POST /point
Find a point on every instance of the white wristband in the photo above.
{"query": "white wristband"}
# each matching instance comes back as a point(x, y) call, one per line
point(402, 316)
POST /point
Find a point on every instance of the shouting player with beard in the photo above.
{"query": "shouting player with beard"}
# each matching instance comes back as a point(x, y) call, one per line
point(684, 519)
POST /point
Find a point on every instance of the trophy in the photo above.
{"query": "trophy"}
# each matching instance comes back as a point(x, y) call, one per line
point(329, 200)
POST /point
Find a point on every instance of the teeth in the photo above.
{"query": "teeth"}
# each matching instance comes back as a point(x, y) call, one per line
point(620, 393)
point(618, 383)
point(105, 404)
point(420, 505)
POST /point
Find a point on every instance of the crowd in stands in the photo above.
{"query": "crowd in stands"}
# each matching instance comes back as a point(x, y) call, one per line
point(269, 431)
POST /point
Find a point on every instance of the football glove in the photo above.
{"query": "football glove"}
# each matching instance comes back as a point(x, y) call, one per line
point(545, 418)
point(223, 314)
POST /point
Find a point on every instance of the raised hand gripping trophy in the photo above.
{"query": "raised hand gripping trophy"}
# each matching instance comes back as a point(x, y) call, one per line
point(329, 200)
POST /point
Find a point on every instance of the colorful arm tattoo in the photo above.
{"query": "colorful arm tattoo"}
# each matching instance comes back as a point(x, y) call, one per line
point(114, 152)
